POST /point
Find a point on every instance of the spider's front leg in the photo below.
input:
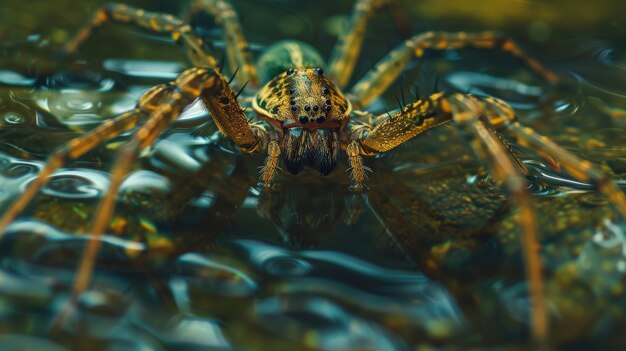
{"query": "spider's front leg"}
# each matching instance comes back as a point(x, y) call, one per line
point(378, 79)
point(401, 126)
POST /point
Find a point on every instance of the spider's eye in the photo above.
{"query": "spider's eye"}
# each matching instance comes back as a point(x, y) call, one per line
point(320, 72)
point(303, 119)
point(290, 71)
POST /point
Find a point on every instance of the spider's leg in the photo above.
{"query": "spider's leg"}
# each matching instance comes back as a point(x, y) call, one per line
point(346, 51)
point(197, 52)
point(378, 79)
point(580, 169)
point(158, 120)
point(237, 50)
point(437, 109)
point(228, 115)
point(74, 149)
point(393, 129)
point(191, 84)
point(78, 147)
point(488, 147)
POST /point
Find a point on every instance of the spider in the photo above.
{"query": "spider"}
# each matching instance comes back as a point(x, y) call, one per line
point(306, 121)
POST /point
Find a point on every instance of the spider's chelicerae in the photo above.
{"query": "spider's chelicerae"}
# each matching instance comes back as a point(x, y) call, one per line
point(304, 120)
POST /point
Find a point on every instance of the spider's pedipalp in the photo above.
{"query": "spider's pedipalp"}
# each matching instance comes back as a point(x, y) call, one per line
point(229, 117)
point(268, 170)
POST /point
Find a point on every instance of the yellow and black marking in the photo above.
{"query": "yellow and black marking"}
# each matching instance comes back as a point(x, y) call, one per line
point(406, 123)
point(302, 97)
point(376, 81)
point(228, 115)
point(195, 48)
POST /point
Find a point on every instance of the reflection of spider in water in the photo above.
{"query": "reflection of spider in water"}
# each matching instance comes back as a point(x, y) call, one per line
point(305, 119)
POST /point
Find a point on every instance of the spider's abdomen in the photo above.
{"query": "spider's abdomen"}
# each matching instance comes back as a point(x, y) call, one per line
point(285, 55)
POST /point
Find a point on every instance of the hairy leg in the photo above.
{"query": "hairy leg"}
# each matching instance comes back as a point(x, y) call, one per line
point(195, 49)
point(237, 50)
point(346, 51)
point(77, 147)
point(469, 116)
point(378, 79)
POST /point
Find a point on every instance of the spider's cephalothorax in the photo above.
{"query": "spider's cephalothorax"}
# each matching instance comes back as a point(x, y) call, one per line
point(308, 113)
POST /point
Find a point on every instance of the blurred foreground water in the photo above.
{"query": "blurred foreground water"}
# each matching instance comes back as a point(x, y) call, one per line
point(197, 257)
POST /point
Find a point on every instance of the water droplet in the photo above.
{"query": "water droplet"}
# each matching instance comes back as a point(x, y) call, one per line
point(85, 80)
point(17, 170)
point(519, 95)
point(79, 105)
point(593, 200)
point(287, 266)
point(75, 108)
point(15, 79)
point(21, 342)
point(146, 182)
point(321, 324)
point(13, 118)
point(76, 184)
point(208, 275)
point(107, 303)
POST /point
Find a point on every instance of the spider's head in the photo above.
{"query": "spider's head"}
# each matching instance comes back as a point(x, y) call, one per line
point(308, 111)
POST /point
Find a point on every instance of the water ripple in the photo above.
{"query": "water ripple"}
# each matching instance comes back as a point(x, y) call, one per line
point(217, 277)
point(77, 184)
point(356, 282)
point(321, 324)
point(11, 342)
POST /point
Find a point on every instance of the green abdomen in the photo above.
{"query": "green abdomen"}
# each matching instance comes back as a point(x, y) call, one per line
point(287, 54)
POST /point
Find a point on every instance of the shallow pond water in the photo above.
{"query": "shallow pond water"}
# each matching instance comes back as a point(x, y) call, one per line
point(197, 256)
